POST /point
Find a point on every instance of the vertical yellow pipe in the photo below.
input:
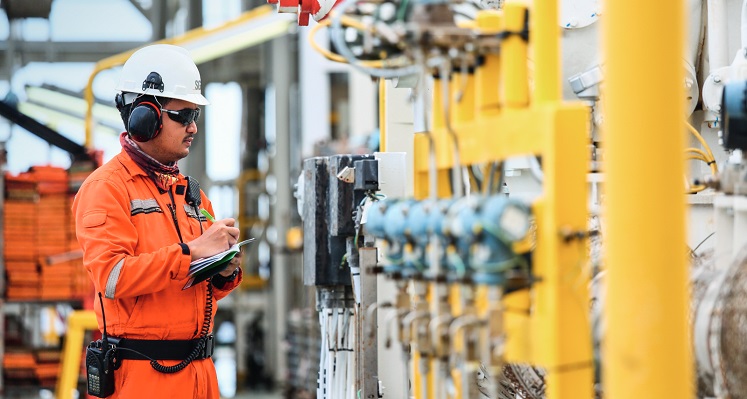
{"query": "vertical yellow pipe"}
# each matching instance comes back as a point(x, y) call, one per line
point(382, 115)
point(561, 338)
point(546, 50)
point(88, 96)
point(517, 326)
point(419, 157)
point(438, 121)
point(443, 142)
point(100, 66)
point(77, 324)
point(514, 58)
point(646, 352)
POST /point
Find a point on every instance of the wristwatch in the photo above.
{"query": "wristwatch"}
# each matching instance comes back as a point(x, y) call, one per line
point(220, 281)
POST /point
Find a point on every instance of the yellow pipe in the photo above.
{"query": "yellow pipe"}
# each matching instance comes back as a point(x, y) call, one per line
point(463, 85)
point(420, 157)
point(382, 115)
point(545, 39)
point(514, 58)
point(560, 321)
point(516, 313)
point(77, 323)
point(646, 350)
point(121, 58)
point(442, 139)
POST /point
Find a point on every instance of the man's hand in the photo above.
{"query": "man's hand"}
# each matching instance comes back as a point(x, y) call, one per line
point(219, 237)
point(235, 263)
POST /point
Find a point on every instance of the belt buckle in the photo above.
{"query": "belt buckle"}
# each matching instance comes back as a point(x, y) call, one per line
point(112, 342)
point(209, 346)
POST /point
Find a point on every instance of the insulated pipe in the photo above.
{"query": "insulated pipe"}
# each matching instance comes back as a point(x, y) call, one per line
point(645, 237)
point(718, 34)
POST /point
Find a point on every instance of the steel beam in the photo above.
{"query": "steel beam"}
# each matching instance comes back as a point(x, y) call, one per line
point(64, 51)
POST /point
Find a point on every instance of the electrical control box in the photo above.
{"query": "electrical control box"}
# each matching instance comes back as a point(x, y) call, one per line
point(330, 199)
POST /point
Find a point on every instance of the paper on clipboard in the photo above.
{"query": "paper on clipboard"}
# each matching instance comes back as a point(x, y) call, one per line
point(204, 268)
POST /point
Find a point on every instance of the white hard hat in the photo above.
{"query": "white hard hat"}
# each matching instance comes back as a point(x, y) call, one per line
point(162, 70)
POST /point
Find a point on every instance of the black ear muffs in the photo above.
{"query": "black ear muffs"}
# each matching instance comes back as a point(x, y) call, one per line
point(144, 121)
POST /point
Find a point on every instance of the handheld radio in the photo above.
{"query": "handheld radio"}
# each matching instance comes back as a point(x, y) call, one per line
point(100, 364)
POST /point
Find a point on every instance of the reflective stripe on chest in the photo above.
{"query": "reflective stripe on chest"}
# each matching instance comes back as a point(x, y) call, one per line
point(191, 213)
point(138, 206)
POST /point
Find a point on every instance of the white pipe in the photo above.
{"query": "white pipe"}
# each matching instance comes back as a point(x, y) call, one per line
point(695, 28)
point(717, 34)
point(744, 24)
point(740, 224)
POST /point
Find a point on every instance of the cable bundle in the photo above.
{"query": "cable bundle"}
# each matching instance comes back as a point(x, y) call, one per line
point(337, 360)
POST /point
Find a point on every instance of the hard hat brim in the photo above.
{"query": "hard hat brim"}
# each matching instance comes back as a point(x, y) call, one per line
point(195, 98)
point(198, 99)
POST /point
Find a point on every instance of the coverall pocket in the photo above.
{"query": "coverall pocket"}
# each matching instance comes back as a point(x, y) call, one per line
point(135, 311)
point(94, 218)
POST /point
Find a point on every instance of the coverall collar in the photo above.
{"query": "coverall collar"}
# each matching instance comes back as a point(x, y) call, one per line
point(133, 168)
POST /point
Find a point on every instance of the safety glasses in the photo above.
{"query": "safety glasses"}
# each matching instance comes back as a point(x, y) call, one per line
point(184, 116)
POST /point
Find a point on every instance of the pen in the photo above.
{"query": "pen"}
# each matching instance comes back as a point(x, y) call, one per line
point(207, 215)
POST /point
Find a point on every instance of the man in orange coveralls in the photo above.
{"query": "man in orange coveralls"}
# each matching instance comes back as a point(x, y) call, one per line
point(140, 225)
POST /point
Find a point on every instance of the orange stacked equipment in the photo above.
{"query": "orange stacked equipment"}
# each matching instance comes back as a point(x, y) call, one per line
point(42, 262)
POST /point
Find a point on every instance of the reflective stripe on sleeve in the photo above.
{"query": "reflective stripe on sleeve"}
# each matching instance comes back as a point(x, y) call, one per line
point(111, 282)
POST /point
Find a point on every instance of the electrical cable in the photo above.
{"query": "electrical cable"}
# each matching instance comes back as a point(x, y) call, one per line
point(703, 143)
point(701, 155)
point(696, 154)
point(402, 11)
point(696, 188)
point(347, 21)
point(200, 344)
point(463, 72)
point(432, 163)
point(338, 39)
point(457, 175)
point(495, 168)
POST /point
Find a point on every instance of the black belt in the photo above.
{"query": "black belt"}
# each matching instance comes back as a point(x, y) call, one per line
point(142, 349)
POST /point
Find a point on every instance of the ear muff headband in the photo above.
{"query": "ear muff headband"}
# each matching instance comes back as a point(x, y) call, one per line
point(144, 122)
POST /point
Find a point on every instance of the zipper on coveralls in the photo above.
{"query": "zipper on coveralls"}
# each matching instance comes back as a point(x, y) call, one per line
point(172, 208)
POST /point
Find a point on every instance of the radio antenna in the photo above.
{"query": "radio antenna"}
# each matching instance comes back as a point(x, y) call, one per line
point(101, 300)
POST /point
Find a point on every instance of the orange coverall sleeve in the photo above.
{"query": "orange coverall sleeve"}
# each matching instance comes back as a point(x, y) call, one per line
point(221, 293)
point(109, 240)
